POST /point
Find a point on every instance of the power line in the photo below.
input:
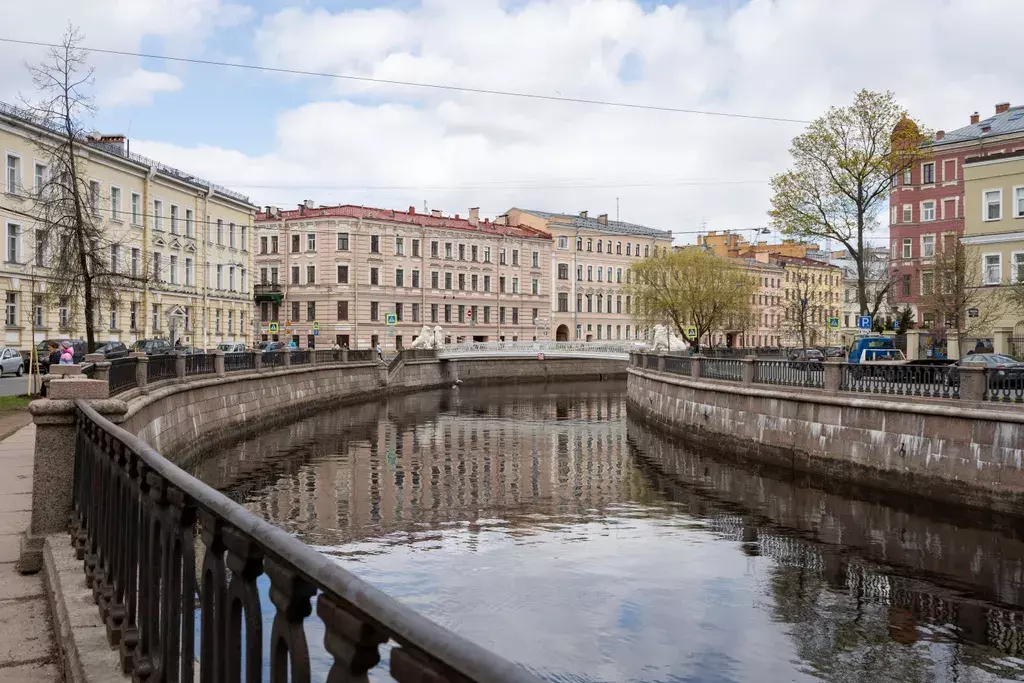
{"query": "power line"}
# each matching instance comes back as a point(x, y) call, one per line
point(413, 84)
point(525, 186)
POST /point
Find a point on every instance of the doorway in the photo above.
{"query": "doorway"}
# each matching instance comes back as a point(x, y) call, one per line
point(562, 333)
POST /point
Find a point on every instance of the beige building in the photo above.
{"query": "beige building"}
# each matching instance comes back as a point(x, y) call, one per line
point(186, 240)
point(812, 291)
point(343, 273)
point(994, 226)
point(589, 268)
point(762, 330)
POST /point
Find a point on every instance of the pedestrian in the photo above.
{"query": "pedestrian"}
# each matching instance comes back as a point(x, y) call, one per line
point(380, 353)
point(292, 346)
point(67, 357)
point(54, 357)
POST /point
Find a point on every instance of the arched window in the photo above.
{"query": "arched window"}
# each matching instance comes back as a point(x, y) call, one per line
point(629, 248)
point(590, 245)
point(579, 244)
point(618, 248)
point(600, 247)
point(647, 250)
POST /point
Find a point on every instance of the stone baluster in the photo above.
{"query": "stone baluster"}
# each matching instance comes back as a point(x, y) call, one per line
point(218, 363)
point(179, 364)
point(141, 370)
point(833, 374)
point(749, 368)
point(661, 362)
point(102, 371)
point(695, 365)
point(973, 381)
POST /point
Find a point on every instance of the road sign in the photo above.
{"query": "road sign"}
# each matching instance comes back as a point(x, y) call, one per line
point(895, 324)
point(691, 332)
point(316, 325)
point(272, 328)
point(316, 332)
point(833, 323)
point(287, 323)
point(469, 312)
point(864, 322)
point(973, 312)
point(391, 319)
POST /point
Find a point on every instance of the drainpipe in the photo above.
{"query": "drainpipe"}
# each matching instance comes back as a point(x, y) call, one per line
point(208, 267)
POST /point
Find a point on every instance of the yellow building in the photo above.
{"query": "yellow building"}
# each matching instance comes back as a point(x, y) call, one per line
point(590, 259)
point(994, 226)
point(186, 240)
point(813, 292)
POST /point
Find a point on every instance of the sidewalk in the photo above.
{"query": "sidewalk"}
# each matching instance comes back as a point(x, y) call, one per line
point(27, 652)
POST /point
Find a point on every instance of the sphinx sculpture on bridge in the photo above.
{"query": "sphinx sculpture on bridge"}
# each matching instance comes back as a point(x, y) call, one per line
point(429, 339)
point(664, 340)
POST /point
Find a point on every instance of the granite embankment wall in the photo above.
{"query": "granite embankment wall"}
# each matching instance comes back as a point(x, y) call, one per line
point(955, 451)
point(182, 418)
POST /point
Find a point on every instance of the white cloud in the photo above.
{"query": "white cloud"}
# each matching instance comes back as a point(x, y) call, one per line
point(138, 87)
point(787, 58)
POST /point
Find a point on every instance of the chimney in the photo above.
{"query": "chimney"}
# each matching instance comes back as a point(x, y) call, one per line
point(939, 134)
point(974, 118)
point(302, 209)
point(583, 214)
point(474, 215)
point(412, 210)
point(603, 219)
point(435, 213)
point(108, 143)
point(1002, 107)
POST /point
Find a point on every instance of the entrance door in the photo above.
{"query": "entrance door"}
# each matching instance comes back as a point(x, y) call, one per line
point(342, 340)
point(398, 342)
point(310, 341)
point(562, 333)
point(374, 340)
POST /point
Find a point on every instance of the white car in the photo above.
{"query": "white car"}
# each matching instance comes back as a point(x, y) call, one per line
point(11, 362)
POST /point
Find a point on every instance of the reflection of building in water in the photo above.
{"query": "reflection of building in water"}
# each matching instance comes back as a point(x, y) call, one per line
point(397, 469)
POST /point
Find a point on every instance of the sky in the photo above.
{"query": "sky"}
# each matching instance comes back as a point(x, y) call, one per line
point(284, 138)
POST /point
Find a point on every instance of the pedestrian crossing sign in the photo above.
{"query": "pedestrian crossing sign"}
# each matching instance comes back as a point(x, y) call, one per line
point(691, 332)
point(391, 319)
point(833, 323)
point(272, 328)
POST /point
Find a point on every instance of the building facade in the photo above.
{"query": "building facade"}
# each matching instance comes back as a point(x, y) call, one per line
point(926, 202)
point(186, 243)
point(876, 261)
point(994, 228)
point(362, 276)
point(812, 292)
point(589, 271)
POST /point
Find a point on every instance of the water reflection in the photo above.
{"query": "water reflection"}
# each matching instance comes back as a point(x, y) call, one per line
point(546, 525)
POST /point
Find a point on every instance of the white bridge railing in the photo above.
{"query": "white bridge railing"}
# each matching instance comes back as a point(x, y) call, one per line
point(576, 349)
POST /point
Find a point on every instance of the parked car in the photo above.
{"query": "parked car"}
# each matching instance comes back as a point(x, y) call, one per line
point(232, 347)
point(1004, 367)
point(807, 359)
point(192, 351)
point(275, 346)
point(152, 347)
point(835, 352)
point(11, 362)
point(113, 349)
point(43, 352)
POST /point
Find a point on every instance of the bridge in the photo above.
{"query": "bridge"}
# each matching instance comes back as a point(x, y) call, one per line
point(617, 350)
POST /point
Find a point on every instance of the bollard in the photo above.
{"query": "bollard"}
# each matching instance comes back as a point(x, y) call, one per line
point(257, 362)
point(833, 374)
point(179, 364)
point(312, 356)
point(973, 381)
point(218, 363)
point(695, 365)
point(286, 358)
point(344, 355)
point(141, 370)
point(749, 368)
point(661, 362)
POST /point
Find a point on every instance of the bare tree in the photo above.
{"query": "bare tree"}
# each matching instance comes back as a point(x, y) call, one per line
point(954, 289)
point(82, 259)
point(803, 312)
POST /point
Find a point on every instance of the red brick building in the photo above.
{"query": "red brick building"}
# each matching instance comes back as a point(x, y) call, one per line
point(927, 201)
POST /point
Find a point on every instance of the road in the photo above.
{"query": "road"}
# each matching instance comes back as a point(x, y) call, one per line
point(13, 386)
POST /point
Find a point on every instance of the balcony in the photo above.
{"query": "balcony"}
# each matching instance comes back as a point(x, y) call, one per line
point(268, 292)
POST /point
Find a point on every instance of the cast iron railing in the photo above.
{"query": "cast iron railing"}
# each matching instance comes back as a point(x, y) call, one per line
point(237, 362)
point(790, 373)
point(361, 355)
point(721, 368)
point(300, 357)
point(652, 362)
point(929, 381)
point(160, 367)
point(136, 520)
point(328, 355)
point(1004, 386)
point(122, 376)
point(678, 365)
point(199, 364)
point(273, 359)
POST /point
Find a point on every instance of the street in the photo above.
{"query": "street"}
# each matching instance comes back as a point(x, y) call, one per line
point(13, 386)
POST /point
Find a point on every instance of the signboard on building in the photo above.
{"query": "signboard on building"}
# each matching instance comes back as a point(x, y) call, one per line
point(973, 312)
point(864, 322)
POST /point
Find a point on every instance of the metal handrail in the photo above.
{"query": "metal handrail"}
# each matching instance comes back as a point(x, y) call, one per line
point(613, 349)
point(125, 490)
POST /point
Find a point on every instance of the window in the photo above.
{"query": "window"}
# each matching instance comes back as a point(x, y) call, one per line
point(462, 282)
point(563, 242)
point(600, 247)
point(1017, 267)
point(174, 219)
point(13, 242)
point(433, 313)
point(563, 302)
point(579, 273)
point(158, 214)
point(113, 314)
point(590, 303)
point(115, 200)
point(156, 317)
point(908, 213)
point(295, 311)
point(927, 282)
point(416, 250)
point(310, 275)
point(515, 316)
point(447, 313)
point(928, 173)
point(399, 246)
point(295, 276)
point(273, 276)
point(501, 284)
point(618, 304)
point(618, 275)
point(563, 271)
point(415, 313)
point(536, 259)
point(220, 235)
point(12, 309)
point(992, 205)
point(906, 285)
point(374, 310)
point(174, 269)
point(190, 276)
point(907, 247)
point(342, 310)
point(627, 305)
point(136, 254)
point(928, 211)
point(158, 270)
point(579, 244)
point(415, 279)
point(590, 273)
point(629, 249)
point(535, 287)
point(136, 208)
point(927, 246)
point(949, 170)
point(618, 248)
point(434, 253)
point(1018, 202)
point(434, 277)
point(906, 176)
point(501, 257)
point(12, 180)
point(40, 177)
point(462, 252)
point(273, 244)
point(487, 283)
point(992, 273)
point(244, 239)
point(579, 303)
point(487, 314)
point(487, 254)
point(311, 241)
point(133, 314)
point(374, 276)
point(38, 315)
point(647, 250)
point(374, 244)
point(295, 244)
point(342, 241)
point(515, 257)
point(461, 314)
point(893, 217)
point(399, 277)
point(515, 285)
point(600, 274)
point(40, 248)
point(310, 311)
point(609, 274)
point(190, 228)
point(448, 250)
point(474, 280)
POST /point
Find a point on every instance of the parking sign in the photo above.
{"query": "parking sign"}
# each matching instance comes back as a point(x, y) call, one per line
point(864, 322)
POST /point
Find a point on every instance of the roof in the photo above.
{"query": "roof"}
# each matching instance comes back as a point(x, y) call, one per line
point(409, 217)
point(118, 150)
point(620, 227)
point(797, 261)
point(1010, 121)
point(1001, 156)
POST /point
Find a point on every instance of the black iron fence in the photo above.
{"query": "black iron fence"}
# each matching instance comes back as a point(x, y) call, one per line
point(790, 373)
point(722, 368)
point(301, 357)
point(361, 355)
point(199, 364)
point(273, 359)
point(238, 362)
point(652, 362)
point(122, 375)
point(1004, 386)
point(678, 365)
point(1017, 347)
point(137, 521)
point(929, 381)
point(160, 367)
point(328, 356)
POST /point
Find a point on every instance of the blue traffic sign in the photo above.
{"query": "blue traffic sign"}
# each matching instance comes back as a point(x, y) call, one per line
point(864, 322)
point(895, 324)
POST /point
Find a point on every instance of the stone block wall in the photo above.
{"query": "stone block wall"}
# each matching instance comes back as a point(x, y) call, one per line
point(527, 369)
point(954, 451)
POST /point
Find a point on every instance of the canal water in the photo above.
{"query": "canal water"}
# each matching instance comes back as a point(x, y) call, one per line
point(544, 523)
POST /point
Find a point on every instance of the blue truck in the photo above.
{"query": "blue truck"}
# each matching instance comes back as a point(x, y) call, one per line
point(870, 354)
